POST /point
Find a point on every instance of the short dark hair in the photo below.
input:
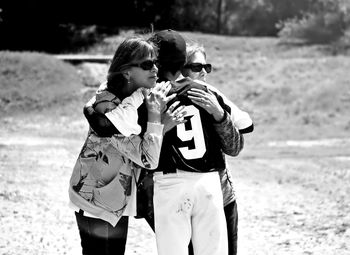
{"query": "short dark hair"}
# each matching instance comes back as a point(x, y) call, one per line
point(171, 50)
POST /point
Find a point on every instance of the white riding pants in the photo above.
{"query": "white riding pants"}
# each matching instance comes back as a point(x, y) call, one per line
point(187, 206)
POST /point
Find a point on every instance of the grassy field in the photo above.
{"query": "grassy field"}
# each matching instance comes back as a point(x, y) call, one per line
point(292, 178)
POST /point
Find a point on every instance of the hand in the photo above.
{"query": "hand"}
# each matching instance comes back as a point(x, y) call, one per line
point(207, 101)
point(173, 117)
point(156, 100)
point(104, 107)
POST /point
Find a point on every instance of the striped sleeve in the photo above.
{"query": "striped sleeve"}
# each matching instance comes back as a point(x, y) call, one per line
point(231, 139)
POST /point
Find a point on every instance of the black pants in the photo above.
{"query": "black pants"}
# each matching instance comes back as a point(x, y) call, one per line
point(231, 215)
point(98, 237)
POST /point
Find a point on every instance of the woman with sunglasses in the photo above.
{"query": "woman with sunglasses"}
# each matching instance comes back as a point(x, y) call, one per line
point(197, 68)
point(102, 185)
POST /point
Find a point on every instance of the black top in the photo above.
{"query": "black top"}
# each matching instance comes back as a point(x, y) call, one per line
point(192, 146)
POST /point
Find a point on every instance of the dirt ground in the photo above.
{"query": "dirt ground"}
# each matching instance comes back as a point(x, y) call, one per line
point(293, 196)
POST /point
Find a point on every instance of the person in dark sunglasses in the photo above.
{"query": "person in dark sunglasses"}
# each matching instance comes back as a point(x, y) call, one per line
point(197, 68)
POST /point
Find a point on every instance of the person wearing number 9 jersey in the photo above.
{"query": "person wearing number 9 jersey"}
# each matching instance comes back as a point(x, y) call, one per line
point(188, 201)
point(195, 145)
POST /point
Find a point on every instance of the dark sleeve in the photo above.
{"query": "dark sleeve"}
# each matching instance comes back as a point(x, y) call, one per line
point(230, 138)
point(99, 122)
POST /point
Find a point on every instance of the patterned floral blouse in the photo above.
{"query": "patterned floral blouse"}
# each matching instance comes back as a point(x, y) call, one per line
point(101, 181)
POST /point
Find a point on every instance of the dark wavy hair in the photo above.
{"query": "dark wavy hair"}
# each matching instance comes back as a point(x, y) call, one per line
point(131, 50)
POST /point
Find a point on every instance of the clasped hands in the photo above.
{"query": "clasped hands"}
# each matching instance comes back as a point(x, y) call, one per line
point(156, 100)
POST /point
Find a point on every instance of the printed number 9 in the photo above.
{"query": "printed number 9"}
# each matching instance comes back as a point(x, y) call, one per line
point(196, 133)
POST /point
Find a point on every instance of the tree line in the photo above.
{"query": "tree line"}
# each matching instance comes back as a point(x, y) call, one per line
point(57, 26)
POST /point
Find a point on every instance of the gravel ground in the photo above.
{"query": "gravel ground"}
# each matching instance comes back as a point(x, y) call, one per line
point(291, 199)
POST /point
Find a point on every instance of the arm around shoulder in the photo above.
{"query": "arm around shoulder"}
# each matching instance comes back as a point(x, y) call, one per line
point(99, 122)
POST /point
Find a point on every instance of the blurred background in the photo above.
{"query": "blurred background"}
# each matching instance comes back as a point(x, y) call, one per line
point(60, 26)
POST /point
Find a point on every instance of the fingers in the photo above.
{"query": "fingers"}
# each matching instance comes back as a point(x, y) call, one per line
point(210, 92)
point(173, 106)
point(180, 112)
point(181, 116)
point(179, 121)
point(162, 87)
point(159, 93)
point(197, 92)
point(198, 95)
point(202, 98)
point(178, 116)
point(167, 88)
point(174, 116)
point(201, 102)
point(169, 98)
point(197, 100)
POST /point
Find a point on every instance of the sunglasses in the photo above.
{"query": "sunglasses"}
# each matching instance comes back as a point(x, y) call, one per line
point(145, 65)
point(197, 67)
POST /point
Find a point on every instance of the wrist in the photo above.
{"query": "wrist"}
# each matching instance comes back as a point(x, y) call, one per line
point(154, 117)
point(219, 115)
